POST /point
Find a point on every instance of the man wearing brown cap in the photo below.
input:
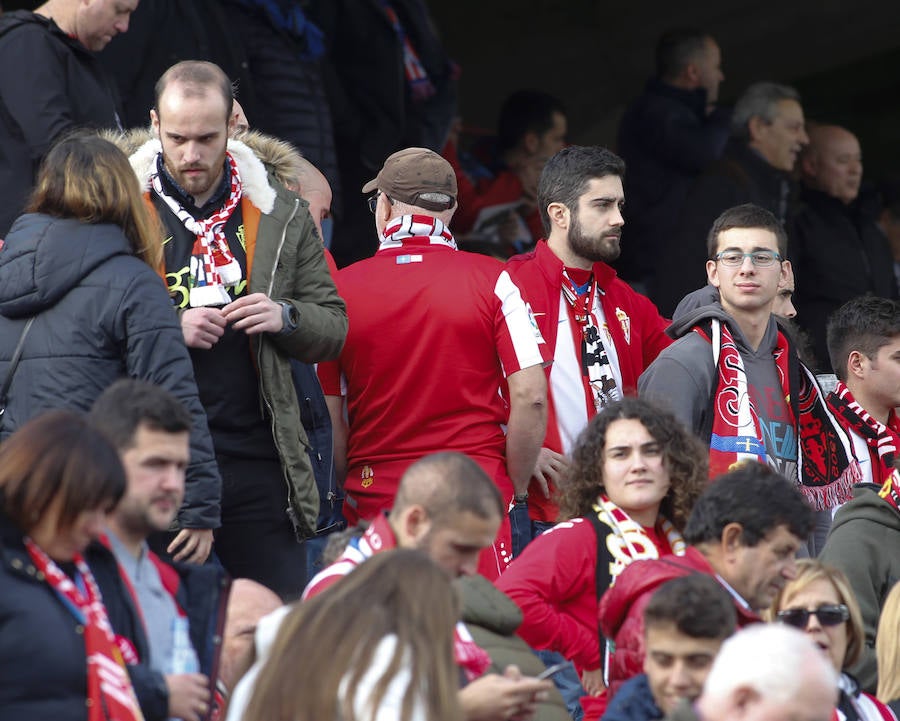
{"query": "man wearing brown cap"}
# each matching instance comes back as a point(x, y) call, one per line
point(434, 333)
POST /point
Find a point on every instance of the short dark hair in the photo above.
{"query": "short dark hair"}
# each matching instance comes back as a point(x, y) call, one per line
point(130, 403)
point(756, 497)
point(676, 48)
point(747, 215)
point(447, 484)
point(864, 324)
point(526, 111)
point(58, 454)
point(566, 175)
point(696, 605)
point(197, 76)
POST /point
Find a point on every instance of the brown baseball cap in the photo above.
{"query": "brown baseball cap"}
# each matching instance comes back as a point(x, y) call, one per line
point(408, 173)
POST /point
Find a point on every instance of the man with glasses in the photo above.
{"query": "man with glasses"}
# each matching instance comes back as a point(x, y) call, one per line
point(733, 375)
point(434, 334)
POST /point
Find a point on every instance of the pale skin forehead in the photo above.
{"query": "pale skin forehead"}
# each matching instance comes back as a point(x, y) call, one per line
point(828, 137)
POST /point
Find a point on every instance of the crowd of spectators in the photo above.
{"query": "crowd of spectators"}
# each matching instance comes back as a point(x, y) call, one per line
point(477, 472)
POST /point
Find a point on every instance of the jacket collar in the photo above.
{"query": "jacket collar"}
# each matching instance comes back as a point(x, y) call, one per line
point(604, 273)
point(254, 177)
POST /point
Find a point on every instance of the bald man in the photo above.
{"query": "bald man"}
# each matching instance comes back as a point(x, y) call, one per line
point(837, 250)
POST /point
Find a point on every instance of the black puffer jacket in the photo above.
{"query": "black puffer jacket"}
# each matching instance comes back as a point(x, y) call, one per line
point(49, 85)
point(41, 643)
point(101, 314)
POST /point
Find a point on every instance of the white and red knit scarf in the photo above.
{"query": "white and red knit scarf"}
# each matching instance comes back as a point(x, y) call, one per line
point(416, 230)
point(881, 439)
point(632, 543)
point(109, 691)
point(213, 266)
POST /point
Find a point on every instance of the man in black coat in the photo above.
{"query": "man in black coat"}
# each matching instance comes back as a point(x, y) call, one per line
point(667, 137)
point(837, 250)
point(50, 84)
point(767, 129)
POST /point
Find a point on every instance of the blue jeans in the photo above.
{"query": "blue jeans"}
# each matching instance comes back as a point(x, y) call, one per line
point(567, 682)
point(523, 529)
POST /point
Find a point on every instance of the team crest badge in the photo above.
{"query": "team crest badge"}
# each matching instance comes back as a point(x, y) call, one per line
point(368, 476)
point(625, 322)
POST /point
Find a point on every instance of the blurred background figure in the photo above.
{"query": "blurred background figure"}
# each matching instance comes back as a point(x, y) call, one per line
point(59, 478)
point(887, 649)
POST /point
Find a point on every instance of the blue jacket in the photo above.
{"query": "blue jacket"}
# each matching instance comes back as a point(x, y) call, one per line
point(633, 702)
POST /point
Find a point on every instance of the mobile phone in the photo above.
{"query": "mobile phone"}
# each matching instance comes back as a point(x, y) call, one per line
point(553, 670)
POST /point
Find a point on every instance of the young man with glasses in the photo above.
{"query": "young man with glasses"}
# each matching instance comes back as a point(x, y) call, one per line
point(733, 375)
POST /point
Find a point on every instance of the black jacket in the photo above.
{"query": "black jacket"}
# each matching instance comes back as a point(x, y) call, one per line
point(201, 591)
point(101, 314)
point(49, 85)
point(41, 643)
point(838, 253)
point(740, 176)
point(666, 139)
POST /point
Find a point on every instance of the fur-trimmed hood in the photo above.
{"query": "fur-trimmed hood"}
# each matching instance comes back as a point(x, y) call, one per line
point(254, 153)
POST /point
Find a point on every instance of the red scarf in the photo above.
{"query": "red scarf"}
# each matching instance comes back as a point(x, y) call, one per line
point(416, 230)
point(882, 440)
point(827, 470)
point(109, 693)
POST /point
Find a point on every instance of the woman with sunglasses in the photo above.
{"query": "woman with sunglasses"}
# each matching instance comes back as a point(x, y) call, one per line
point(819, 602)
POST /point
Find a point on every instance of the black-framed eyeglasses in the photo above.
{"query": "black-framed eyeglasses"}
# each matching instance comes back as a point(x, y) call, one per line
point(759, 258)
point(829, 614)
point(373, 201)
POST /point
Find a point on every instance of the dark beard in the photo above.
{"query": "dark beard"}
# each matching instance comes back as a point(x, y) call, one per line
point(591, 248)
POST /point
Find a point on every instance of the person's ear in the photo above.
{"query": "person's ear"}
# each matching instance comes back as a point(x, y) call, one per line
point(857, 364)
point(560, 216)
point(731, 539)
point(756, 126)
point(154, 122)
point(415, 524)
point(531, 142)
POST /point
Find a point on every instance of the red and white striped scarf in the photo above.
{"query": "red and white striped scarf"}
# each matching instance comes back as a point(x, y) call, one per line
point(109, 691)
point(416, 230)
point(420, 85)
point(213, 266)
point(881, 439)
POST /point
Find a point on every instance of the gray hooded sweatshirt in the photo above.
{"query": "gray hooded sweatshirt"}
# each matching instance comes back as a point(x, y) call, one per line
point(683, 378)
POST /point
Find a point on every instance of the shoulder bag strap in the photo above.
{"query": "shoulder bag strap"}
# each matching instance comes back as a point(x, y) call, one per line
point(13, 363)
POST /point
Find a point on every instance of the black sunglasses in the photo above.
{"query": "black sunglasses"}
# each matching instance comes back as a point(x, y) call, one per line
point(831, 614)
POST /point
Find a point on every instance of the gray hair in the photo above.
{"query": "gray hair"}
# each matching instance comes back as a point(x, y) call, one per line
point(768, 658)
point(759, 100)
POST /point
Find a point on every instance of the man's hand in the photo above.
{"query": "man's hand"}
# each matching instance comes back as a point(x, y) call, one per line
point(510, 697)
point(188, 696)
point(195, 543)
point(550, 466)
point(593, 681)
point(255, 313)
point(202, 327)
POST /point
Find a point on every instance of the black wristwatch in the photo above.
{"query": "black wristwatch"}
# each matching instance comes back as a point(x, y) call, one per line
point(520, 497)
point(290, 318)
